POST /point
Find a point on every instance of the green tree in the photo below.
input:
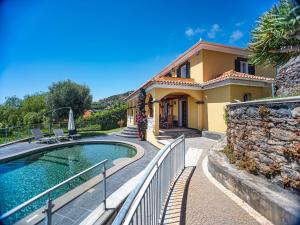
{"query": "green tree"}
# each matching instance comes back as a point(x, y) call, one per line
point(32, 118)
point(34, 103)
point(273, 40)
point(13, 102)
point(69, 94)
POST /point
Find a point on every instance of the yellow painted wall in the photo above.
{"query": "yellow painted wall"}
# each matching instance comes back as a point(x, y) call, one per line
point(159, 93)
point(207, 65)
point(238, 91)
point(192, 113)
point(152, 139)
point(196, 67)
point(216, 63)
point(175, 109)
point(215, 101)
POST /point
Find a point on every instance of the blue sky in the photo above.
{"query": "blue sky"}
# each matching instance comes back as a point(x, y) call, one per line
point(111, 46)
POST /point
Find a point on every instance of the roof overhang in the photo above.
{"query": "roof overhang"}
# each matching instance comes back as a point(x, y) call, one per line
point(217, 84)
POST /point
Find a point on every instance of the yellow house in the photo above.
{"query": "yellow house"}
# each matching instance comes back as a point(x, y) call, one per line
point(194, 89)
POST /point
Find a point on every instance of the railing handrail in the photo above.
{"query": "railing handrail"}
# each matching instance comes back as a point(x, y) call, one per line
point(120, 218)
point(48, 191)
point(52, 123)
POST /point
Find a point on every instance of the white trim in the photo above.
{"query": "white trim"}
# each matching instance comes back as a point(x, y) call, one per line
point(244, 65)
point(216, 84)
point(243, 82)
point(231, 81)
point(171, 86)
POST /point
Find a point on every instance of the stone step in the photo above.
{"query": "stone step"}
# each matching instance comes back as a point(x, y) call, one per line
point(129, 132)
point(163, 137)
point(175, 134)
point(179, 132)
point(127, 135)
point(131, 128)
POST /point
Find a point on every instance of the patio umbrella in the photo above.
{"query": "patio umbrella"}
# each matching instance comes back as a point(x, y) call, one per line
point(71, 123)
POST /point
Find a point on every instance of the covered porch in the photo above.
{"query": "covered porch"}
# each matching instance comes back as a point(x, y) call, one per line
point(171, 111)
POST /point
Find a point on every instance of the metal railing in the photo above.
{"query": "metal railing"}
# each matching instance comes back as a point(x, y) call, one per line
point(49, 205)
point(146, 202)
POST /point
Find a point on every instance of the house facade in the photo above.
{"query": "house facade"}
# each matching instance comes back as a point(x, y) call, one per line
point(194, 89)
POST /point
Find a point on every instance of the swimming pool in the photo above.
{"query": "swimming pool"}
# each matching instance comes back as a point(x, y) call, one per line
point(24, 178)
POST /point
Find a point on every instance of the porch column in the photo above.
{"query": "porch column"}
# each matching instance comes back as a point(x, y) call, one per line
point(200, 115)
point(134, 113)
point(156, 117)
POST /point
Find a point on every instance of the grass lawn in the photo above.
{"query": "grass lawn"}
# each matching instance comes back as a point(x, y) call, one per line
point(98, 133)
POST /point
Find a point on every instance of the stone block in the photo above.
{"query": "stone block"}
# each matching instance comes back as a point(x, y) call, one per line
point(296, 112)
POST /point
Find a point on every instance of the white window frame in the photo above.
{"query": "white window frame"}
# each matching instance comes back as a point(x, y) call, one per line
point(243, 65)
point(183, 71)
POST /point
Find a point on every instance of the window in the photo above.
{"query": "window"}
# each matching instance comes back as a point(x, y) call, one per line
point(243, 67)
point(183, 71)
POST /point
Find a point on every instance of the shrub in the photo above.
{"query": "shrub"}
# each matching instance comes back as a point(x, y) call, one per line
point(230, 154)
point(107, 119)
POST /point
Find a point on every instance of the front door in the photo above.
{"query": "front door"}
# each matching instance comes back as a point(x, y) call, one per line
point(182, 116)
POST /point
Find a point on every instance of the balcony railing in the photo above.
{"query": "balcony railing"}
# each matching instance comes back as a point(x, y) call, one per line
point(146, 202)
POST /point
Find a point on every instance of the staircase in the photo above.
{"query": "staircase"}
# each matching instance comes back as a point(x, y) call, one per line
point(176, 132)
point(129, 132)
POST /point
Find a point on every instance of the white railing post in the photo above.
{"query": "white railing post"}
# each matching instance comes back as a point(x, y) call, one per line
point(104, 186)
point(48, 219)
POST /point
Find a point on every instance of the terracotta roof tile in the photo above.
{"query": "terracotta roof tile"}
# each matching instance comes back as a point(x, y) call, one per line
point(231, 74)
point(176, 81)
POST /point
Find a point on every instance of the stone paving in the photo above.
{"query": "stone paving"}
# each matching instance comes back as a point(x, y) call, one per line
point(77, 210)
point(206, 204)
point(194, 200)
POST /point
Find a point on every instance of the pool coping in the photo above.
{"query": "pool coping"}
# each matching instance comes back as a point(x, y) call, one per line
point(38, 215)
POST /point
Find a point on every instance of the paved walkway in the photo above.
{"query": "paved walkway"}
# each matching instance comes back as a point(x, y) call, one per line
point(206, 204)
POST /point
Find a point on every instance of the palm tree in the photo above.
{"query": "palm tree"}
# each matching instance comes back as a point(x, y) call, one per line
point(274, 39)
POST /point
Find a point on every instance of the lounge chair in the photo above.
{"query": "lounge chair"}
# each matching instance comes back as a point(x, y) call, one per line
point(39, 136)
point(74, 136)
point(60, 135)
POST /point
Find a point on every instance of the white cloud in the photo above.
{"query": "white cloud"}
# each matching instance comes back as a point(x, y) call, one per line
point(236, 35)
point(215, 28)
point(190, 32)
point(238, 24)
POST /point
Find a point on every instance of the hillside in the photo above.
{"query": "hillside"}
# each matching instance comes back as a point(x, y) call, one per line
point(110, 102)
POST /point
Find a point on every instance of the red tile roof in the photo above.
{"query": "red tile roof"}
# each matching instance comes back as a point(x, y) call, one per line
point(175, 81)
point(231, 74)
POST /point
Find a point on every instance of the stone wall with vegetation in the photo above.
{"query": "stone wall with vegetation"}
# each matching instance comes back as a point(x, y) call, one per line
point(288, 79)
point(264, 139)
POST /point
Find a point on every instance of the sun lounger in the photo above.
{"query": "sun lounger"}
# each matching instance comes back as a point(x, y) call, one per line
point(60, 135)
point(74, 136)
point(39, 136)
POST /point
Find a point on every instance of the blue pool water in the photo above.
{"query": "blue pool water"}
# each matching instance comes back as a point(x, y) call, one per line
point(23, 178)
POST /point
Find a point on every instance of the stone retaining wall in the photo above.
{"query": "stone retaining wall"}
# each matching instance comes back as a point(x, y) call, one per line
point(288, 78)
point(264, 137)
